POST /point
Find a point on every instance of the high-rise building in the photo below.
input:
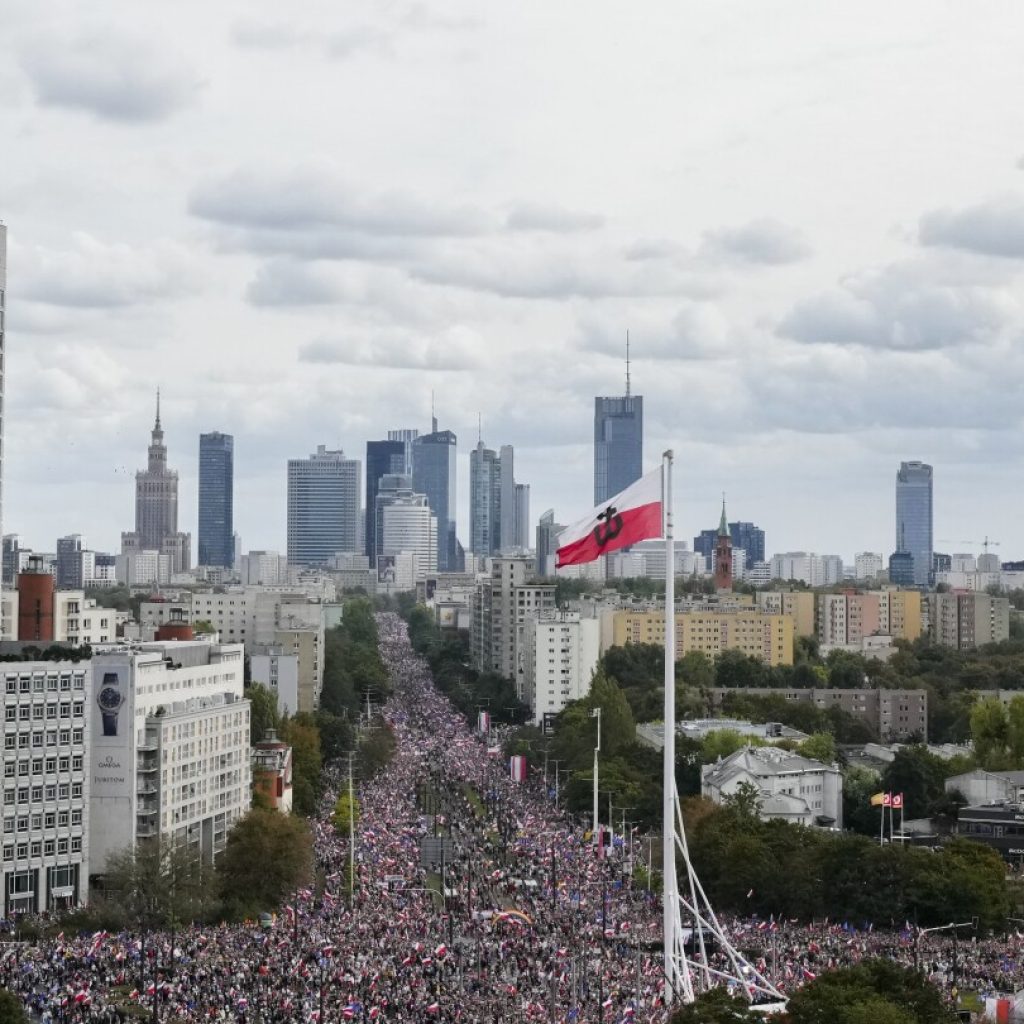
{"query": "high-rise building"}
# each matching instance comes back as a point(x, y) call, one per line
point(434, 474)
point(323, 507)
point(521, 522)
point(914, 517)
point(3, 361)
point(156, 509)
point(484, 501)
point(382, 457)
point(391, 487)
point(216, 499)
point(547, 543)
point(745, 537)
point(410, 527)
point(507, 506)
point(618, 441)
point(69, 562)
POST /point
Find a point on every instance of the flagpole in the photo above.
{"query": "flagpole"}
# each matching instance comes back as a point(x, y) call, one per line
point(668, 829)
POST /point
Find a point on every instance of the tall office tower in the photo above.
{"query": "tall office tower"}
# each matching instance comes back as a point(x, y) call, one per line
point(484, 501)
point(3, 299)
point(382, 457)
point(618, 441)
point(12, 558)
point(410, 527)
point(914, 517)
point(547, 543)
point(156, 507)
point(507, 484)
point(216, 499)
point(406, 437)
point(521, 531)
point(69, 562)
point(391, 487)
point(434, 474)
point(323, 507)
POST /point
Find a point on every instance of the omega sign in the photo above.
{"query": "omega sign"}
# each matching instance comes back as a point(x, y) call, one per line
point(105, 768)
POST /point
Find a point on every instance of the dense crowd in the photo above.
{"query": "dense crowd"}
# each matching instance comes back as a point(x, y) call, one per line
point(475, 900)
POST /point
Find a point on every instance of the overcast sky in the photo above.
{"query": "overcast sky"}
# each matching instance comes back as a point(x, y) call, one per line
point(298, 220)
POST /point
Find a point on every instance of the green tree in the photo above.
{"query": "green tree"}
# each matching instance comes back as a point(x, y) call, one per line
point(163, 885)
point(302, 734)
point(263, 715)
point(617, 726)
point(1015, 731)
point(819, 747)
point(721, 743)
point(716, 1006)
point(919, 776)
point(859, 785)
point(894, 994)
point(267, 857)
point(745, 800)
point(989, 732)
point(376, 749)
point(11, 1009)
point(335, 735)
point(345, 814)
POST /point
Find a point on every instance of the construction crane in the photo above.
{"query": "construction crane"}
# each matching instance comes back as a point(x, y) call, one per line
point(986, 543)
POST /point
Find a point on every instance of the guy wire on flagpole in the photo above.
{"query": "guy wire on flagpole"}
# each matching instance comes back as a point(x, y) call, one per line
point(670, 906)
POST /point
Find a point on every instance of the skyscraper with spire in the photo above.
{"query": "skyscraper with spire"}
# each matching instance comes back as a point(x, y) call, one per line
point(156, 508)
point(618, 441)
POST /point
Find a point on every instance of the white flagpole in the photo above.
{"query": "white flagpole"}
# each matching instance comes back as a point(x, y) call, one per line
point(669, 895)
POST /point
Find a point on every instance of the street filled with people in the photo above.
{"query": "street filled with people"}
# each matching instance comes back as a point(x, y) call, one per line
point(475, 898)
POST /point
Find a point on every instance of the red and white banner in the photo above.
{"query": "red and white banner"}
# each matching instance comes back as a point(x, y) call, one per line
point(483, 721)
point(631, 516)
point(897, 801)
point(517, 768)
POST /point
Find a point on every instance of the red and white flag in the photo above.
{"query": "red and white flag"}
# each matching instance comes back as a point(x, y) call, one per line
point(517, 768)
point(887, 799)
point(631, 516)
point(897, 801)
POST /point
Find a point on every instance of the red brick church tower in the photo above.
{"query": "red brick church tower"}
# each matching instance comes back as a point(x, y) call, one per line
point(723, 555)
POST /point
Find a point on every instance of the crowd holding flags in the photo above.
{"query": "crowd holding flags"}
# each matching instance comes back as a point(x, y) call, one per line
point(894, 801)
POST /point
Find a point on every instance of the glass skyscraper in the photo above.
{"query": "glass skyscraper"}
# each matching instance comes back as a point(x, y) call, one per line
point(433, 474)
point(216, 499)
point(618, 444)
point(914, 517)
point(323, 507)
point(382, 458)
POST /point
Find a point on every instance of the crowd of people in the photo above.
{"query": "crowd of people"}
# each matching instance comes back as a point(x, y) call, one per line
point(475, 899)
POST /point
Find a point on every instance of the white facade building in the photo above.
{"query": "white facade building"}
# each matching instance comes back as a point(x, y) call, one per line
point(46, 720)
point(263, 568)
point(560, 651)
point(808, 567)
point(170, 755)
point(791, 787)
point(411, 528)
point(867, 565)
point(278, 671)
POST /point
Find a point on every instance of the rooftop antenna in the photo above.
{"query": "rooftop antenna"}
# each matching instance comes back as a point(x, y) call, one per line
point(479, 428)
point(627, 364)
point(433, 418)
point(157, 408)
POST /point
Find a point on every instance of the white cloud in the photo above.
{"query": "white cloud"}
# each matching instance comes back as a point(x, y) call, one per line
point(992, 228)
point(763, 241)
point(113, 76)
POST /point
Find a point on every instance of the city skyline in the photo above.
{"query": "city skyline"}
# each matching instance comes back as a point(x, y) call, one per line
point(810, 300)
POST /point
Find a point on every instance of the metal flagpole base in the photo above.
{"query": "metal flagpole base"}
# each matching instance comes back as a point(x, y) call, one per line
point(693, 972)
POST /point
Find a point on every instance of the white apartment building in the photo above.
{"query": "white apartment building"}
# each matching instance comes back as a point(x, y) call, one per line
point(142, 567)
point(867, 565)
point(791, 787)
point(46, 720)
point(170, 756)
point(411, 528)
point(560, 651)
point(263, 568)
point(808, 567)
point(271, 666)
point(77, 619)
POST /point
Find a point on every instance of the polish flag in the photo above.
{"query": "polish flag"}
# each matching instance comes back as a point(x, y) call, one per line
point(631, 516)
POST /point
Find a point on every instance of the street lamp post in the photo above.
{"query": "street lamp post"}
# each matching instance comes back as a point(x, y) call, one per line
point(596, 713)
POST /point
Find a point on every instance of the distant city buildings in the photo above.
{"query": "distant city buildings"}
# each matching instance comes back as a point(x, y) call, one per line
point(434, 474)
point(745, 537)
point(967, 620)
point(914, 516)
point(499, 507)
point(618, 444)
point(323, 507)
point(216, 499)
point(3, 358)
point(807, 567)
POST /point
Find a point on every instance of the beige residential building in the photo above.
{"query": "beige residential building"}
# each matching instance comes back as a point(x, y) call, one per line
point(766, 637)
point(900, 614)
point(797, 604)
point(966, 620)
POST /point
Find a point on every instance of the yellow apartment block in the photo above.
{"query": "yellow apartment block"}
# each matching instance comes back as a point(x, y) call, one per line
point(767, 637)
point(797, 604)
point(900, 611)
